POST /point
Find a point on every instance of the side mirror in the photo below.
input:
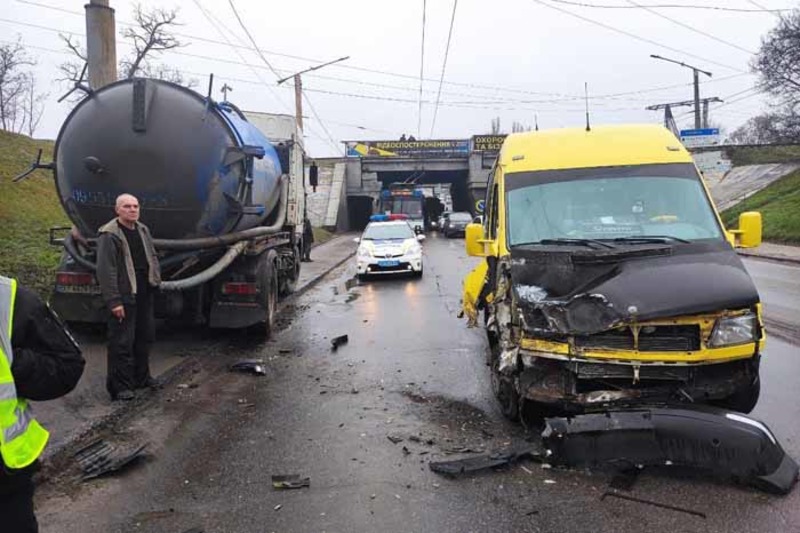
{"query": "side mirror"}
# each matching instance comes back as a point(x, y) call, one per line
point(313, 176)
point(420, 237)
point(473, 235)
point(750, 228)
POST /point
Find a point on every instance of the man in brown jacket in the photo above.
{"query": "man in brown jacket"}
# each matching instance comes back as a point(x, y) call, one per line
point(128, 273)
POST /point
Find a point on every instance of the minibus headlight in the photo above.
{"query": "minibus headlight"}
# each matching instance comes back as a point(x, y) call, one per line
point(734, 330)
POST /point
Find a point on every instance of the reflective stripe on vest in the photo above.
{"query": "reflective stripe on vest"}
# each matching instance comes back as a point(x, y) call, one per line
point(22, 439)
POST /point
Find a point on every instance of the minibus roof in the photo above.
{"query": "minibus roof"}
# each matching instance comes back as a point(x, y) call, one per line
point(602, 146)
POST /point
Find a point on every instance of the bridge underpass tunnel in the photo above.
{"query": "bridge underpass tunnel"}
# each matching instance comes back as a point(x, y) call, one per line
point(445, 190)
point(359, 209)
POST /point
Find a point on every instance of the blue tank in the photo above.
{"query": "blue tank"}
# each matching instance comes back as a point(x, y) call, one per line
point(198, 168)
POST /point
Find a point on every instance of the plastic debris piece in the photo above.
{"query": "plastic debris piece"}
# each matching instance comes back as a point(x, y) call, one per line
point(249, 366)
point(291, 481)
point(654, 504)
point(338, 341)
point(483, 462)
point(102, 457)
point(394, 438)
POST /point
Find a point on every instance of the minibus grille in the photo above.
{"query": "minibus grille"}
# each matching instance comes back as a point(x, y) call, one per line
point(651, 339)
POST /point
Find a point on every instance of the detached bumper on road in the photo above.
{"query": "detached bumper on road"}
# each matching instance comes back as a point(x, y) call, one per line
point(726, 443)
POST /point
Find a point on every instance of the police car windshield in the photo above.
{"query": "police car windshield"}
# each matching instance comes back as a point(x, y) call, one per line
point(376, 232)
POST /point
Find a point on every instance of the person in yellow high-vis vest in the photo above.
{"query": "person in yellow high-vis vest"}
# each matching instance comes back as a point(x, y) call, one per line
point(39, 360)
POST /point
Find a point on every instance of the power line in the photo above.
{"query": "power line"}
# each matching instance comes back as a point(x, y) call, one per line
point(671, 6)
point(690, 28)
point(633, 35)
point(255, 46)
point(211, 20)
point(421, 70)
point(775, 12)
point(480, 87)
point(561, 97)
point(322, 125)
point(444, 65)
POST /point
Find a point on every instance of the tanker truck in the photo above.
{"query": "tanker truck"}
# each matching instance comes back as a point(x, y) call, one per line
point(224, 202)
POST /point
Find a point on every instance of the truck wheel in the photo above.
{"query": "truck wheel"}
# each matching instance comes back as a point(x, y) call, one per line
point(744, 399)
point(289, 282)
point(269, 284)
point(503, 387)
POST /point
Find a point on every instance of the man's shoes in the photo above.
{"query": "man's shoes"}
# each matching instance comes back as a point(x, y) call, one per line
point(150, 383)
point(124, 396)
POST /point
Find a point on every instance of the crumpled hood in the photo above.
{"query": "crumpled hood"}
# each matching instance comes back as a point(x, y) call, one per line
point(565, 292)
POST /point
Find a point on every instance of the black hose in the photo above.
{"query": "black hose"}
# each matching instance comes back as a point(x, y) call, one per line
point(231, 238)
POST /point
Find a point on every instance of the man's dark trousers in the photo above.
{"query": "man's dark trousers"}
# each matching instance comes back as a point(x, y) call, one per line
point(16, 502)
point(129, 345)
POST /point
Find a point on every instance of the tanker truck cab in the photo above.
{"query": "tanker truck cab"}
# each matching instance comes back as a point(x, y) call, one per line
point(609, 279)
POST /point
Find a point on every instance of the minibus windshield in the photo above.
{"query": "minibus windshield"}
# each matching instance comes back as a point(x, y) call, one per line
point(666, 201)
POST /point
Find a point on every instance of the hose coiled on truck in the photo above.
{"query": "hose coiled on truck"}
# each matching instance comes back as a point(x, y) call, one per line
point(238, 240)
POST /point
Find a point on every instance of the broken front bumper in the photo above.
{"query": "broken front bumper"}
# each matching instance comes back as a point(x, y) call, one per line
point(576, 385)
point(726, 443)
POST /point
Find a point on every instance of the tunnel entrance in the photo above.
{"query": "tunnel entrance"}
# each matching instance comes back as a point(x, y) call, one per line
point(359, 209)
point(445, 190)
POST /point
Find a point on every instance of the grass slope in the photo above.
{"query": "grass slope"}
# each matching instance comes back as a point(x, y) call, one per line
point(779, 204)
point(27, 210)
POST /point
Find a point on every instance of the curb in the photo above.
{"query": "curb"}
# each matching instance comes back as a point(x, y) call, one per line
point(776, 258)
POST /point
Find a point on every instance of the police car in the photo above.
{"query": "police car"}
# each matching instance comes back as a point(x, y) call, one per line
point(389, 246)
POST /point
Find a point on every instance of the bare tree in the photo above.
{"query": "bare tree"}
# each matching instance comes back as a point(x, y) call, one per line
point(778, 60)
point(151, 35)
point(518, 127)
point(13, 85)
point(33, 106)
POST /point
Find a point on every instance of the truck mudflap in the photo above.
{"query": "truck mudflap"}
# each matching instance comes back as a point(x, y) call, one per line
point(725, 443)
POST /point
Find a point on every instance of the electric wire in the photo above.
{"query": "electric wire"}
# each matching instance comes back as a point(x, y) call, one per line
point(444, 66)
point(421, 70)
point(691, 28)
point(480, 87)
point(634, 36)
point(561, 97)
point(333, 143)
point(255, 46)
point(672, 6)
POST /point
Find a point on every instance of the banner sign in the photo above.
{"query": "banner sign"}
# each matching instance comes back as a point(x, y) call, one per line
point(432, 148)
point(487, 143)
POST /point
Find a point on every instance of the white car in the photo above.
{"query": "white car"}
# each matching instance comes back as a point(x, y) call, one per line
point(389, 248)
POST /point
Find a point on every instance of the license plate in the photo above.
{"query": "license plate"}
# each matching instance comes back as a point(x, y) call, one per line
point(388, 263)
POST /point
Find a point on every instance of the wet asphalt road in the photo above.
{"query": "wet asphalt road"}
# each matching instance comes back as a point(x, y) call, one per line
point(411, 370)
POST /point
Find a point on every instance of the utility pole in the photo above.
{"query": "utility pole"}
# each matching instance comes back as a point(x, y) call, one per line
point(101, 44)
point(696, 78)
point(298, 88)
point(668, 119)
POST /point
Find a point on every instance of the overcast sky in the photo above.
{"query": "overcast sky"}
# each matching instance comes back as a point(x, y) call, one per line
point(513, 59)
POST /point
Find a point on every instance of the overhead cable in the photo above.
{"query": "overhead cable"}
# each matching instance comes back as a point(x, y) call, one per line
point(444, 65)
point(691, 28)
point(670, 6)
point(634, 36)
point(421, 70)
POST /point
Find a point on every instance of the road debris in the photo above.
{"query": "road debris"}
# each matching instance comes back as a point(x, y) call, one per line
point(721, 442)
point(395, 438)
point(654, 504)
point(484, 462)
point(102, 457)
point(338, 341)
point(291, 481)
point(249, 366)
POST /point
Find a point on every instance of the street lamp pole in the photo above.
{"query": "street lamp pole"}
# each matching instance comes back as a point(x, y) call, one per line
point(298, 88)
point(698, 122)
